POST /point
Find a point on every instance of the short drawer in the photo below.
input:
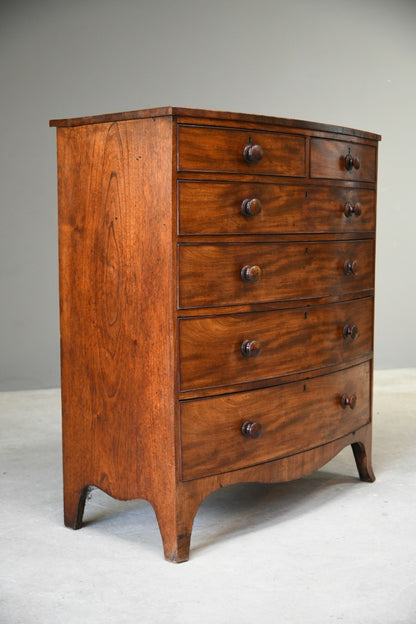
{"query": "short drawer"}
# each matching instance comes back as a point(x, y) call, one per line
point(231, 349)
point(231, 274)
point(343, 160)
point(255, 208)
point(290, 418)
point(228, 150)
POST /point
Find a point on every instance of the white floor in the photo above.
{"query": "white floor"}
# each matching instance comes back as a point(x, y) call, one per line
point(324, 549)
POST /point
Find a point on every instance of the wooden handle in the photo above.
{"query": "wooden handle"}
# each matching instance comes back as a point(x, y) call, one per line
point(352, 162)
point(251, 207)
point(348, 401)
point(251, 430)
point(251, 348)
point(251, 273)
point(350, 210)
point(350, 331)
point(253, 153)
point(351, 267)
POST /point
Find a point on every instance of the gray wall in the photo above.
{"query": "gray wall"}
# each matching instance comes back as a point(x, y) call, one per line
point(347, 62)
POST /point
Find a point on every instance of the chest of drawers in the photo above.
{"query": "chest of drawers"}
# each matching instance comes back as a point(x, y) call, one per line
point(216, 301)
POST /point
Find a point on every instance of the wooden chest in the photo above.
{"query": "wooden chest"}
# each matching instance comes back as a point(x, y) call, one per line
point(216, 298)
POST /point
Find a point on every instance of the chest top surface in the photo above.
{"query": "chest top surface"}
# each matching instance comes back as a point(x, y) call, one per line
point(214, 115)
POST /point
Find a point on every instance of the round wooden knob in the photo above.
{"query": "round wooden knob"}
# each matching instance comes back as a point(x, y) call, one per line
point(352, 162)
point(350, 331)
point(253, 153)
point(250, 273)
point(251, 207)
point(351, 267)
point(251, 348)
point(251, 430)
point(348, 401)
point(350, 209)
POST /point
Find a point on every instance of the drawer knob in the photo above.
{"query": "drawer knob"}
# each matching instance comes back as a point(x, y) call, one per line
point(352, 162)
point(351, 267)
point(350, 210)
point(350, 331)
point(348, 401)
point(251, 430)
point(251, 207)
point(253, 153)
point(251, 348)
point(250, 273)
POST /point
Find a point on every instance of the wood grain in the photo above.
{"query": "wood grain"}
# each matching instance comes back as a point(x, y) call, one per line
point(291, 341)
point(210, 275)
point(328, 160)
point(214, 149)
point(215, 208)
point(294, 417)
point(117, 331)
point(211, 116)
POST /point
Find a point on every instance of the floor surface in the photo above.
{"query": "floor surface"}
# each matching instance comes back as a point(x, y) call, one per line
point(324, 549)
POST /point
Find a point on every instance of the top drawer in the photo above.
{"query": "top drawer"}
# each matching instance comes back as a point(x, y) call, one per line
point(202, 148)
point(342, 160)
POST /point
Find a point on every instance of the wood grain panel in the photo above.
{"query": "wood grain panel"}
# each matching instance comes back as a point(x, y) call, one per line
point(215, 149)
point(328, 160)
point(215, 117)
point(294, 417)
point(215, 208)
point(210, 275)
point(291, 341)
point(117, 331)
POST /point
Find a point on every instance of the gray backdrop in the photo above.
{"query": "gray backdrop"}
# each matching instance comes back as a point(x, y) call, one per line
point(346, 62)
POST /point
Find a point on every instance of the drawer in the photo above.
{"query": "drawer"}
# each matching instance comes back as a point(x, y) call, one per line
point(293, 417)
point(231, 274)
point(329, 160)
point(202, 148)
point(231, 349)
point(250, 208)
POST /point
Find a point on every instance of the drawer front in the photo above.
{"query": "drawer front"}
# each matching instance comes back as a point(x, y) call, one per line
point(250, 208)
point(213, 275)
point(328, 160)
point(294, 417)
point(231, 349)
point(222, 150)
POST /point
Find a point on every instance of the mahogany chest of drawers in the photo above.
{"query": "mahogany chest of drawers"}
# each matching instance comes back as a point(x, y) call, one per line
point(216, 301)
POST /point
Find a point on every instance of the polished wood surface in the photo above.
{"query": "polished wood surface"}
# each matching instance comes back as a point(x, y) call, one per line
point(213, 149)
point(211, 437)
point(199, 115)
point(216, 302)
point(117, 331)
point(329, 159)
point(216, 208)
point(291, 341)
point(211, 275)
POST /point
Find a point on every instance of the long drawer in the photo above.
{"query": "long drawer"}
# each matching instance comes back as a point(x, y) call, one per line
point(289, 418)
point(253, 208)
point(343, 160)
point(220, 274)
point(231, 349)
point(201, 148)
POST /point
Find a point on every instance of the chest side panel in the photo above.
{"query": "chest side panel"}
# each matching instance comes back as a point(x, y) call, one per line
point(116, 300)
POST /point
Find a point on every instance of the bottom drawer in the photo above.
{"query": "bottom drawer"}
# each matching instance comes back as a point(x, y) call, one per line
point(293, 417)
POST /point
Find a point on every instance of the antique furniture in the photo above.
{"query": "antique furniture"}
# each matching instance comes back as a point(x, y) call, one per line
point(216, 301)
